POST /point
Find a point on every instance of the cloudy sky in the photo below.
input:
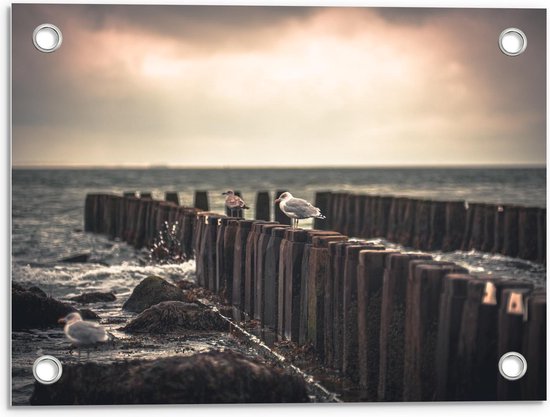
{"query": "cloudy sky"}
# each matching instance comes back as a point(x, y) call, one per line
point(266, 86)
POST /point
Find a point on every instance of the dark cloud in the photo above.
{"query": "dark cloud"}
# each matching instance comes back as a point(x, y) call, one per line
point(54, 95)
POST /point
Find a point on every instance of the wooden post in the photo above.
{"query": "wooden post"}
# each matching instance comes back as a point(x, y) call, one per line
point(394, 219)
point(239, 265)
point(349, 224)
point(422, 225)
point(290, 276)
point(527, 233)
point(322, 201)
point(269, 318)
point(172, 196)
point(534, 348)
point(489, 227)
point(454, 294)
point(220, 256)
point(141, 224)
point(260, 251)
point(477, 357)
point(370, 277)
point(317, 274)
point(455, 225)
point(392, 325)
point(250, 268)
point(359, 215)
point(424, 285)
point(305, 277)
point(338, 259)
point(263, 206)
point(477, 226)
point(201, 200)
point(90, 212)
point(511, 231)
point(512, 318)
point(409, 215)
point(328, 308)
point(349, 309)
point(229, 238)
point(437, 225)
point(541, 236)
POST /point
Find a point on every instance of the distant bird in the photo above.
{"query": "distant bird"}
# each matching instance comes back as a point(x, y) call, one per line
point(234, 202)
point(297, 208)
point(83, 333)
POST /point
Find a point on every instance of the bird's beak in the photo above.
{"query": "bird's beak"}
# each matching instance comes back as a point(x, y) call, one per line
point(277, 201)
point(62, 320)
point(224, 193)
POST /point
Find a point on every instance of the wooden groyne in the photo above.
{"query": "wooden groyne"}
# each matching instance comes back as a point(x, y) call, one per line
point(430, 225)
point(400, 326)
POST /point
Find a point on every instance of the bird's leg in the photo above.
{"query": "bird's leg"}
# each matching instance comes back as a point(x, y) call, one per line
point(297, 220)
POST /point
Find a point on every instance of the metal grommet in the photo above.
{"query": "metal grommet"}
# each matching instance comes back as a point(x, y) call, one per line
point(47, 37)
point(512, 366)
point(47, 369)
point(512, 41)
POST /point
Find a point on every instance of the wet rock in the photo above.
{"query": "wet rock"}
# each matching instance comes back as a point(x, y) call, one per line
point(214, 377)
point(38, 291)
point(88, 314)
point(33, 309)
point(175, 316)
point(186, 285)
point(79, 258)
point(94, 297)
point(151, 291)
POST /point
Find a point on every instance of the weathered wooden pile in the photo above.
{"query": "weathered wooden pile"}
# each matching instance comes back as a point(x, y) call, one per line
point(137, 221)
point(402, 326)
point(422, 224)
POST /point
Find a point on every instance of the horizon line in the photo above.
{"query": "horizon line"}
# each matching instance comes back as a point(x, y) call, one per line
point(380, 166)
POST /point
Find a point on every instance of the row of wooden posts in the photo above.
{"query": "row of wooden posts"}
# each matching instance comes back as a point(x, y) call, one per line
point(429, 225)
point(402, 326)
point(511, 230)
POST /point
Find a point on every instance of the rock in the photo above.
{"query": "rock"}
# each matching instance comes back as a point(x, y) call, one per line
point(80, 258)
point(214, 377)
point(88, 314)
point(175, 316)
point(151, 291)
point(94, 297)
point(186, 285)
point(38, 291)
point(33, 309)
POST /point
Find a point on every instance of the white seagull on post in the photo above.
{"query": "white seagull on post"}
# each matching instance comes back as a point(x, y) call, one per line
point(83, 333)
point(297, 208)
point(234, 202)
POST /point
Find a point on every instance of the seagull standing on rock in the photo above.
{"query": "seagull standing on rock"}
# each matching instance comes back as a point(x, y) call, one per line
point(234, 202)
point(297, 208)
point(83, 333)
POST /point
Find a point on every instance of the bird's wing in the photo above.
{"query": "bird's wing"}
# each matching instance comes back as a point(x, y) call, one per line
point(301, 207)
point(241, 202)
point(84, 332)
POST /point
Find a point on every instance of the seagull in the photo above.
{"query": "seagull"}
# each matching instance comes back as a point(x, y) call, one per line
point(297, 208)
point(83, 333)
point(234, 202)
